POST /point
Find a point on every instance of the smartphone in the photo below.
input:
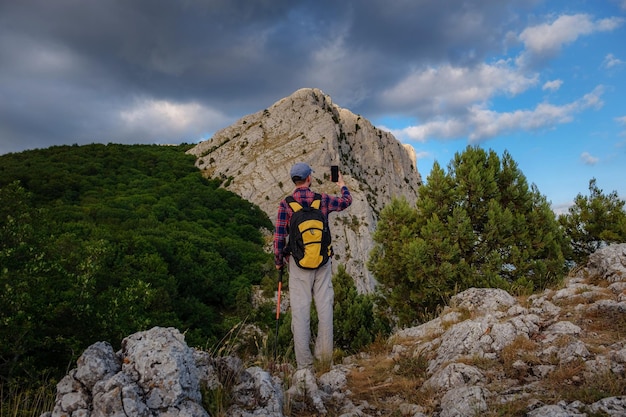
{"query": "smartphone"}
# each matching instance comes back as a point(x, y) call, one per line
point(334, 173)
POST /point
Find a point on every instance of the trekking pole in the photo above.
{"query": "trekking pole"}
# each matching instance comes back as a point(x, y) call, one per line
point(280, 288)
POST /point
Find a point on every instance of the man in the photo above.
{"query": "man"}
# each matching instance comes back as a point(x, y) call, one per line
point(308, 284)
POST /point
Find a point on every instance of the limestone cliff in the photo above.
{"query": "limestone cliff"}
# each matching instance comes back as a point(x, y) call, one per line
point(253, 157)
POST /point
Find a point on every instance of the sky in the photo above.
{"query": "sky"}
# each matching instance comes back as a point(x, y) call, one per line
point(544, 80)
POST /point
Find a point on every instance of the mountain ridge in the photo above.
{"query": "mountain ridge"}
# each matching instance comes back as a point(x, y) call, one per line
point(253, 157)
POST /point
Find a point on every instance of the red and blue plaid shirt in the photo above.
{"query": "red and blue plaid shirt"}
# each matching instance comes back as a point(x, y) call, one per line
point(304, 195)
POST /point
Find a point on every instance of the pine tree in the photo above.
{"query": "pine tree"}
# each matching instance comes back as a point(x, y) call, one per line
point(593, 222)
point(479, 224)
point(355, 322)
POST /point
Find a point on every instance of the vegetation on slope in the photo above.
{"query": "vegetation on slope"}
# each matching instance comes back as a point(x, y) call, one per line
point(100, 241)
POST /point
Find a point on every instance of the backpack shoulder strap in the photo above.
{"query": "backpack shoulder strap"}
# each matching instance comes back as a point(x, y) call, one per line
point(295, 206)
point(317, 201)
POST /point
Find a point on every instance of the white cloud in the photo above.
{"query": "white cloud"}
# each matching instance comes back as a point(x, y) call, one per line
point(423, 155)
point(552, 85)
point(487, 124)
point(546, 40)
point(549, 38)
point(622, 121)
point(482, 123)
point(589, 159)
point(442, 129)
point(609, 24)
point(611, 61)
point(562, 208)
point(453, 89)
point(166, 119)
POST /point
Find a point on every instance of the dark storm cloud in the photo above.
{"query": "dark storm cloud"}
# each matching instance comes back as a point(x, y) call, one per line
point(94, 71)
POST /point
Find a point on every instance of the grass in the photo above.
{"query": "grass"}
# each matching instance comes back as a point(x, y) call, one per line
point(25, 401)
point(383, 380)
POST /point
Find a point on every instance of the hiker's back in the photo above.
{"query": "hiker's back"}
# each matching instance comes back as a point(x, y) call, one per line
point(309, 234)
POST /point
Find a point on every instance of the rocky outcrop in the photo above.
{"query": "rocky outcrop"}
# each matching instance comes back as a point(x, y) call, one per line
point(157, 374)
point(489, 348)
point(488, 352)
point(254, 155)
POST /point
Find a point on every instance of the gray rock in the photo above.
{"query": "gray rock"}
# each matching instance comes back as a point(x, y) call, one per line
point(462, 339)
point(118, 396)
point(453, 376)
point(163, 366)
point(257, 395)
point(556, 410)
point(483, 299)
point(563, 328)
point(609, 263)
point(612, 406)
point(304, 388)
point(71, 397)
point(464, 402)
point(98, 362)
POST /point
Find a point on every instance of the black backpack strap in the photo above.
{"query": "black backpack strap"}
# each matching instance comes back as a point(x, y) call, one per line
point(295, 206)
point(317, 201)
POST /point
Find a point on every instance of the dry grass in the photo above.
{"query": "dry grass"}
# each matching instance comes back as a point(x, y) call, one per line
point(27, 401)
point(521, 349)
point(383, 380)
point(608, 326)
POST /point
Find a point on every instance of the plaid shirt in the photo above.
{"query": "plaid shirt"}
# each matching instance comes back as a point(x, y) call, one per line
point(304, 195)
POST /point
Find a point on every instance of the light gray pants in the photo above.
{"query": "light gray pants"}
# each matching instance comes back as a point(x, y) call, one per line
point(306, 285)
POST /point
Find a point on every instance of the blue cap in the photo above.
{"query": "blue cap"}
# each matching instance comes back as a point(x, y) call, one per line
point(300, 171)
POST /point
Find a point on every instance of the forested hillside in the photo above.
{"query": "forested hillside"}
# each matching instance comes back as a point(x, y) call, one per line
point(100, 241)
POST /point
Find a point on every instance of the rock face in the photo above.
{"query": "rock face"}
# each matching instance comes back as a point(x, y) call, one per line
point(157, 374)
point(487, 353)
point(254, 156)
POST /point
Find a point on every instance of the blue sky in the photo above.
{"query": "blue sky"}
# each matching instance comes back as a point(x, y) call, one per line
point(544, 80)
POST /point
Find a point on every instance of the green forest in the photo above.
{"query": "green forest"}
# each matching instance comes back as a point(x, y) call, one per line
point(100, 241)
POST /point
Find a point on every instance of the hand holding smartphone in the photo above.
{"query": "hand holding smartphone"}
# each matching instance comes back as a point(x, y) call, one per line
point(334, 173)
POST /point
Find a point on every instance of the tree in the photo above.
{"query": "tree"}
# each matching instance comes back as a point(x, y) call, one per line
point(593, 222)
point(479, 224)
point(100, 241)
point(356, 323)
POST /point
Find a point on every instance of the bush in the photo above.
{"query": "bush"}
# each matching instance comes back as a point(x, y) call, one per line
point(593, 222)
point(478, 224)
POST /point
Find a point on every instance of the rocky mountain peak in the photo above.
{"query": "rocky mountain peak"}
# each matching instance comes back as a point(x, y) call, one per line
point(254, 155)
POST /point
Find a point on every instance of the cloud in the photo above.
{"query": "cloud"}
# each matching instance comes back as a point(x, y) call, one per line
point(481, 123)
point(447, 129)
point(160, 120)
point(589, 159)
point(562, 208)
point(488, 124)
point(452, 89)
point(611, 61)
point(546, 40)
point(552, 85)
point(622, 121)
point(423, 155)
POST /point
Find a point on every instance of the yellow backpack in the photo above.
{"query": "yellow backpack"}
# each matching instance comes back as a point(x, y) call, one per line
point(309, 235)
